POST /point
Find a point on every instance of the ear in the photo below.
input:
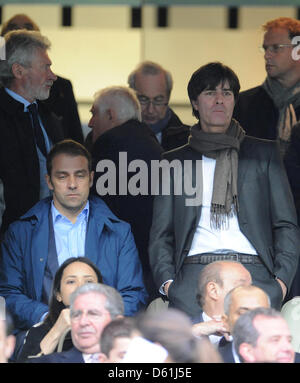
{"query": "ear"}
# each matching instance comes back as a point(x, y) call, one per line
point(110, 114)
point(246, 352)
point(213, 290)
point(58, 297)
point(18, 70)
point(195, 105)
point(49, 183)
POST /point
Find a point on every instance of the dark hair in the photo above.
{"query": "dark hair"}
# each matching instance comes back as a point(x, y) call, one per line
point(71, 148)
point(209, 76)
point(55, 307)
point(117, 328)
point(244, 330)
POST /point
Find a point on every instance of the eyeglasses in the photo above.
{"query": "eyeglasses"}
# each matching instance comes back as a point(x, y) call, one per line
point(93, 315)
point(156, 101)
point(275, 48)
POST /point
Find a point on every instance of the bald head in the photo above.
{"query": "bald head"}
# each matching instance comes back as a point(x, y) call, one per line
point(242, 299)
point(216, 280)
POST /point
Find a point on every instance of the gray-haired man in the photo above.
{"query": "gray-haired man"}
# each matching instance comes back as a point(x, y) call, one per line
point(92, 307)
point(28, 129)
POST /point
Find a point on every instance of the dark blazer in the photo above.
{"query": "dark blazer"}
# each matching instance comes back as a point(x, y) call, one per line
point(266, 214)
point(19, 164)
point(62, 102)
point(257, 114)
point(225, 349)
point(70, 356)
point(175, 134)
point(139, 143)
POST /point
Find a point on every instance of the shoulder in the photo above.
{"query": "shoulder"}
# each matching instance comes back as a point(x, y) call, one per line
point(38, 214)
point(253, 92)
point(101, 213)
point(184, 152)
point(71, 356)
point(256, 145)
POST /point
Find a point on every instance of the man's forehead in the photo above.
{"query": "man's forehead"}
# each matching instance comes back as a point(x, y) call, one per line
point(90, 300)
point(64, 161)
point(222, 85)
point(151, 85)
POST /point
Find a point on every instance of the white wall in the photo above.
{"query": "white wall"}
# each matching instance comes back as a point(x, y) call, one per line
point(100, 49)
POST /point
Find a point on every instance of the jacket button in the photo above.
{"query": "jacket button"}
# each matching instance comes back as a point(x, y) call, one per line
point(41, 259)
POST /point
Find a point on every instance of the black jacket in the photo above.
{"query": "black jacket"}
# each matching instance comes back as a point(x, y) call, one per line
point(257, 114)
point(175, 134)
point(19, 164)
point(139, 143)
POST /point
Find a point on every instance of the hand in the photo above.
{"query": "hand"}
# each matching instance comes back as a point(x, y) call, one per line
point(215, 326)
point(166, 287)
point(51, 339)
point(63, 321)
point(283, 287)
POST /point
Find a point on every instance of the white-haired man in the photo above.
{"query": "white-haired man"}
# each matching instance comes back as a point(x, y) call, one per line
point(92, 307)
point(119, 136)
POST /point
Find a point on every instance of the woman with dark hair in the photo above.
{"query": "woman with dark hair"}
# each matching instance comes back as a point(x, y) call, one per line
point(43, 338)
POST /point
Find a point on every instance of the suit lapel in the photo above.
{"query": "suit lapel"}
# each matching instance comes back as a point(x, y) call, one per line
point(243, 165)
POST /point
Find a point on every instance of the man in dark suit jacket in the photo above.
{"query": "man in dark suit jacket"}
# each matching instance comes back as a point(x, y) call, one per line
point(25, 138)
point(271, 109)
point(117, 131)
point(153, 85)
point(246, 213)
point(61, 100)
point(215, 281)
point(262, 336)
point(92, 307)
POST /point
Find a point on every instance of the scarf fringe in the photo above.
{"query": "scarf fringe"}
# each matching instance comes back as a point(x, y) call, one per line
point(219, 218)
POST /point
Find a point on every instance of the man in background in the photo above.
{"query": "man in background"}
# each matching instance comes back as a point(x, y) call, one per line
point(270, 110)
point(153, 85)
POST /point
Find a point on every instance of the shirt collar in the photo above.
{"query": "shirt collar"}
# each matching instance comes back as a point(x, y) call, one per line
point(56, 215)
point(235, 355)
point(19, 98)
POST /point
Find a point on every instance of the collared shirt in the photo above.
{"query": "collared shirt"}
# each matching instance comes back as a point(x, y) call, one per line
point(91, 358)
point(69, 237)
point(211, 240)
point(44, 190)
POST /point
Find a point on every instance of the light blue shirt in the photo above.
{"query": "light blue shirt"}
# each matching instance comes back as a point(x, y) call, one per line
point(69, 237)
point(44, 190)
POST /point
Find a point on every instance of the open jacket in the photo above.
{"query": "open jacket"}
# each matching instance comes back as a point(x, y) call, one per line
point(266, 216)
point(109, 244)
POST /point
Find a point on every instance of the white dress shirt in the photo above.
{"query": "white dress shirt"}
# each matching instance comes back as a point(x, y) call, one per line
point(212, 240)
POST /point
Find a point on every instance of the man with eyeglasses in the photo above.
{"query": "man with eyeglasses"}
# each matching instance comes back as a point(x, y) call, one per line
point(270, 110)
point(153, 85)
point(92, 307)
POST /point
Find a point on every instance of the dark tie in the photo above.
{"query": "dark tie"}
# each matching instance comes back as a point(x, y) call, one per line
point(39, 137)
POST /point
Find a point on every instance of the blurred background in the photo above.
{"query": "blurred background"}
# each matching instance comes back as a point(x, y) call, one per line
point(98, 43)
